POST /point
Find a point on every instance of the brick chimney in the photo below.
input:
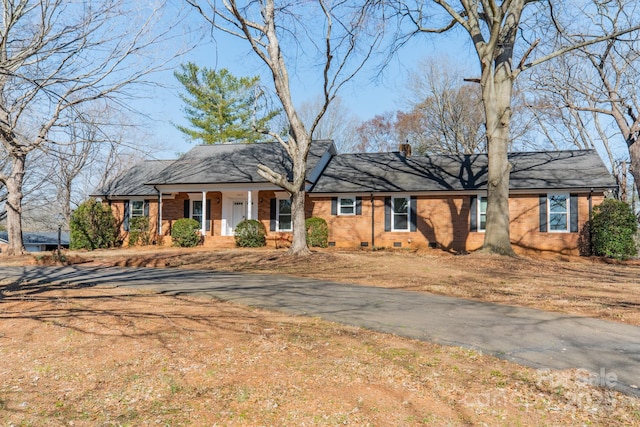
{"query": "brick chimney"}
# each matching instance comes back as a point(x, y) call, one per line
point(405, 149)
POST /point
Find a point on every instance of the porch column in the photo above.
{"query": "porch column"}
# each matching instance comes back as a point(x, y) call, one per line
point(249, 204)
point(203, 231)
point(159, 213)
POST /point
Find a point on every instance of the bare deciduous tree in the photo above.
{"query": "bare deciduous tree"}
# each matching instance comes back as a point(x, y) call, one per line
point(93, 151)
point(494, 27)
point(590, 99)
point(325, 33)
point(338, 123)
point(443, 115)
point(379, 133)
point(55, 56)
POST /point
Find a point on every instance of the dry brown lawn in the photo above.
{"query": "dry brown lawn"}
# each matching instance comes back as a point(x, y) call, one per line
point(114, 357)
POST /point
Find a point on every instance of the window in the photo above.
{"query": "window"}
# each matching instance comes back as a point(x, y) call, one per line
point(134, 209)
point(137, 208)
point(284, 215)
point(347, 206)
point(196, 210)
point(558, 212)
point(482, 213)
point(400, 214)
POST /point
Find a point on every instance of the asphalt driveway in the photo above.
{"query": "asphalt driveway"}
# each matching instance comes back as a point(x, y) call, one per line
point(609, 351)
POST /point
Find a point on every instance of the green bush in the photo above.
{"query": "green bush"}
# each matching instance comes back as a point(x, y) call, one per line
point(250, 233)
point(93, 226)
point(317, 232)
point(139, 231)
point(613, 227)
point(184, 233)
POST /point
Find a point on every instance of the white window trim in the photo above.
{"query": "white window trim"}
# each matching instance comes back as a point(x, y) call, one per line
point(393, 214)
point(191, 201)
point(278, 215)
point(354, 205)
point(479, 214)
point(568, 212)
point(131, 201)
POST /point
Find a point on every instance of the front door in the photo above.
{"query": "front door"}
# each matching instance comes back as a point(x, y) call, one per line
point(238, 213)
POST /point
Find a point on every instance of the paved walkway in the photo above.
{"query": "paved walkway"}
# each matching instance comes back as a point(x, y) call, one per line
point(526, 336)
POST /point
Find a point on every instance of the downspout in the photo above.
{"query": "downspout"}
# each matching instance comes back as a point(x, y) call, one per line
point(159, 218)
point(373, 216)
point(589, 220)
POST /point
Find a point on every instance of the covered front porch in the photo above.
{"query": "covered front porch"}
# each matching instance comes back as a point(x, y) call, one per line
point(217, 210)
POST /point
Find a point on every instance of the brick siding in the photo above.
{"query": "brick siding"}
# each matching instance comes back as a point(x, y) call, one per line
point(443, 222)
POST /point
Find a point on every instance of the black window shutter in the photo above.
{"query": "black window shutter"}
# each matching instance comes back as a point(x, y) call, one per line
point(146, 208)
point(573, 207)
point(334, 206)
point(186, 208)
point(208, 215)
point(543, 213)
point(387, 214)
point(473, 214)
point(272, 215)
point(125, 221)
point(358, 205)
point(413, 213)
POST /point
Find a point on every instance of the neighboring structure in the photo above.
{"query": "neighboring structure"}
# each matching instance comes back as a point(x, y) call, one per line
point(370, 199)
point(37, 242)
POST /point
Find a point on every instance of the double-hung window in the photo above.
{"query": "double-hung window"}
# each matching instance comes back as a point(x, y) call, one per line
point(482, 213)
point(400, 214)
point(137, 208)
point(196, 210)
point(134, 209)
point(558, 208)
point(284, 215)
point(347, 206)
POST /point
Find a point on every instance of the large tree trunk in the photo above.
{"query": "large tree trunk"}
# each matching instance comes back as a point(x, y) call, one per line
point(14, 205)
point(299, 156)
point(496, 96)
point(65, 199)
point(299, 238)
point(633, 143)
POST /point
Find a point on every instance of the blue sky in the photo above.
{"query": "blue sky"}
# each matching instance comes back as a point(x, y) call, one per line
point(366, 96)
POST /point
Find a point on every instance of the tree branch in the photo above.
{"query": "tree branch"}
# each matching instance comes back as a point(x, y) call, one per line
point(576, 47)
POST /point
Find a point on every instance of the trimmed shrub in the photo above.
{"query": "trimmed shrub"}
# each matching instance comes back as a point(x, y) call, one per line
point(250, 233)
point(93, 226)
point(139, 231)
point(317, 232)
point(613, 227)
point(184, 233)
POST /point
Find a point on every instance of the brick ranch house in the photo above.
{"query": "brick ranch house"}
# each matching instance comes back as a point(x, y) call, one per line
point(388, 199)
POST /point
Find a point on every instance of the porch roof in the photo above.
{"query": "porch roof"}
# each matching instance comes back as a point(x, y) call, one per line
point(393, 172)
point(233, 163)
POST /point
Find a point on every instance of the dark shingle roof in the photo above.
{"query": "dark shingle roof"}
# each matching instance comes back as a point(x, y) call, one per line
point(131, 183)
point(392, 172)
point(233, 163)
